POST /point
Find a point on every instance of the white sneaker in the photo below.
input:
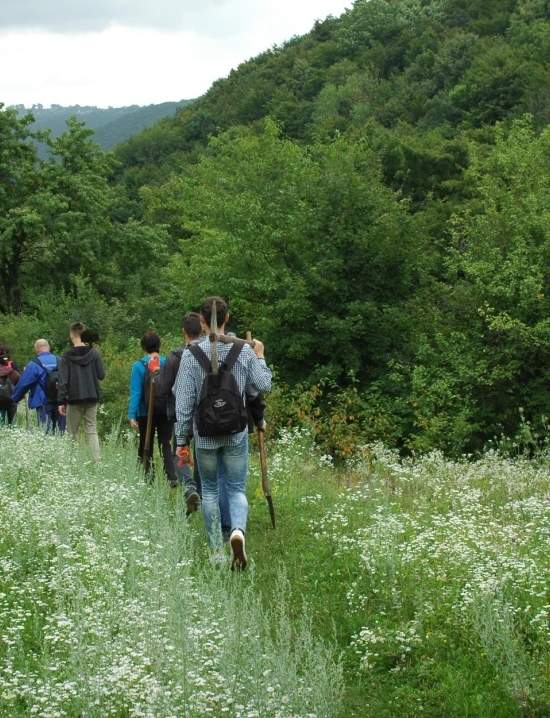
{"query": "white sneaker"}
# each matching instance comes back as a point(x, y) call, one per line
point(237, 542)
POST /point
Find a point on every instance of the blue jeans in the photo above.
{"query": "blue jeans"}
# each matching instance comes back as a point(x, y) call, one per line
point(233, 461)
point(191, 480)
point(49, 416)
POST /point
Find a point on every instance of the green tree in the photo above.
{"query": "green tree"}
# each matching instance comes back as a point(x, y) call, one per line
point(489, 352)
point(22, 226)
point(312, 250)
point(54, 212)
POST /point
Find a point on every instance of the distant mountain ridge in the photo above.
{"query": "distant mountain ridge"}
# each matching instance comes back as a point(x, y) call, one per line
point(111, 125)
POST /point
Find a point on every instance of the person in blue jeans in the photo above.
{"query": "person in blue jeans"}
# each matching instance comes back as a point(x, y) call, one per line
point(187, 473)
point(228, 452)
point(34, 381)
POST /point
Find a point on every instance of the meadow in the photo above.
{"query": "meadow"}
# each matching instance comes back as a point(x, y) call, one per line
point(391, 587)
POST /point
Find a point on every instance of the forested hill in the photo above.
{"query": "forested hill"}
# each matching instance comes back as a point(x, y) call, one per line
point(112, 125)
point(373, 199)
point(426, 69)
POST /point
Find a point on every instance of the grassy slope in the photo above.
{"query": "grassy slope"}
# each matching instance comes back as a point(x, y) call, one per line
point(105, 609)
point(389, 552)
point(491, 536)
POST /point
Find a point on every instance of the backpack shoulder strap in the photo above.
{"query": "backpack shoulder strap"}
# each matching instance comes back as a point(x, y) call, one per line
point(36, 360)
point(201, 357)
point(233, 355)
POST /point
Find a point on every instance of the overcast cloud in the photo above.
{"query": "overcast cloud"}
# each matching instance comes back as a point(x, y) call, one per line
point(120, 52)
point(207, 17)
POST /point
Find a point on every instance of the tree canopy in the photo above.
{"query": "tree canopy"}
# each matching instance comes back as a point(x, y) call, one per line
point(372, 198)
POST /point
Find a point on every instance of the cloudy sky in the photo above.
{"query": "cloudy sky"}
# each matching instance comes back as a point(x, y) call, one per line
point(122, 52)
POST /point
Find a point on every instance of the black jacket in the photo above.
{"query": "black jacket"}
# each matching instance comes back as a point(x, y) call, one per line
point(80, 372)
point(168, 378)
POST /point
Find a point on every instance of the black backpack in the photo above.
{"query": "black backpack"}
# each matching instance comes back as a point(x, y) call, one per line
point(160, 400)
point(52, 381)
point(6, 388)
point(221, 410)
point(165, 381)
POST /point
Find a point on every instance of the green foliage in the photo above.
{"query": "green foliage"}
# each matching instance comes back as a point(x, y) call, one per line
point(489, 355)
point(309, 235)
point(431, 574)
point(372, 198)
point(59, 219)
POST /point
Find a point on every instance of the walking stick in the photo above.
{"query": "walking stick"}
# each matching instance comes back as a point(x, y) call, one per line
point(152, 366)
point(214, 339)
point(266, 484)
point(230, 339)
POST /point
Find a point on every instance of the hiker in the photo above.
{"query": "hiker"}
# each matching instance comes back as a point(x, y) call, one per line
point(187, 473)
point(9, 376)
point(201, 409)
point(40, 378)
point(138, 408)
point(81, 370)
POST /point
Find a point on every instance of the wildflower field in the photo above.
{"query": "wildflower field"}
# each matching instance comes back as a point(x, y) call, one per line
point(107, 610)
point(390, 588)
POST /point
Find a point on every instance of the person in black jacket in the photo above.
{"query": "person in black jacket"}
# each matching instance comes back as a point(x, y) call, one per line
point(81, 370)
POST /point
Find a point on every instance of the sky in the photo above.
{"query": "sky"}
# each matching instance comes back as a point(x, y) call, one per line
point(124, 52)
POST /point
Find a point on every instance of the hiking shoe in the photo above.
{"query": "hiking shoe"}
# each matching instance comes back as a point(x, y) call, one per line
point(193, 502)
point(238, 559)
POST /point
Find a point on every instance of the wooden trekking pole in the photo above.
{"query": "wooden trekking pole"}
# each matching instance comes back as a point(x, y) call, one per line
point(266, 484)
point(152, 366)
point(214, 339)
point(230, 339)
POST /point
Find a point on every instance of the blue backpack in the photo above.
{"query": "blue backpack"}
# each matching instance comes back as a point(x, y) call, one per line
point(51, 388)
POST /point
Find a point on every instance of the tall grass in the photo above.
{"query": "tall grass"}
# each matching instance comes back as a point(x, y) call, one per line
point(433, 574)
point(107, 607)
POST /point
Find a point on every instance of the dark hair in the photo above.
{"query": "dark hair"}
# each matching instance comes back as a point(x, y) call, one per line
point(88, 336)
point(5, 354)
point(221, 310)
point(77, 328)
point(150, 342)
point(191, 324)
